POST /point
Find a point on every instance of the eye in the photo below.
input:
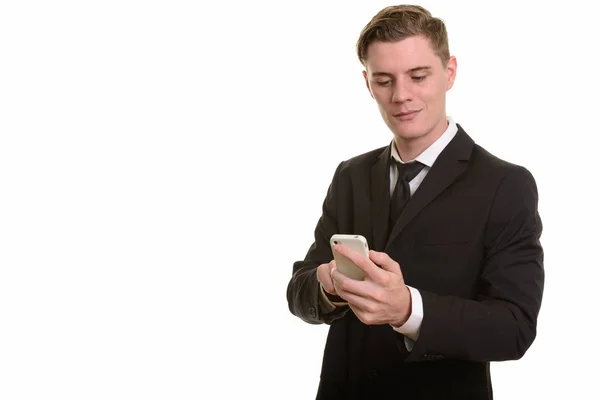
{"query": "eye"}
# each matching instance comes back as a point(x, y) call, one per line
point(384, 83)
point(419, 78)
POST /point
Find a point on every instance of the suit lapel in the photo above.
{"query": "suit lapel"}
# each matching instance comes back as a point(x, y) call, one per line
point(380, 199)
point(449, 165)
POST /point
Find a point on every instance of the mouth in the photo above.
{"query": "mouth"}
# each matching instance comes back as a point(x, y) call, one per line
point(407, 115)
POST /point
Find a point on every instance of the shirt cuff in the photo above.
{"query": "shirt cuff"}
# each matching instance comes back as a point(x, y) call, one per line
point(328, 302)
point(412, 326)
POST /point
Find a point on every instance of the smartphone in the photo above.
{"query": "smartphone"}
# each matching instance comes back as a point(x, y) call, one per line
point(345, 265)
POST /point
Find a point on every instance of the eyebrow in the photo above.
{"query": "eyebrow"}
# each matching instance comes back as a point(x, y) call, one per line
point(415, 69)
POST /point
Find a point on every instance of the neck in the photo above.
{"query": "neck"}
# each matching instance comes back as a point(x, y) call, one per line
point(410, 148)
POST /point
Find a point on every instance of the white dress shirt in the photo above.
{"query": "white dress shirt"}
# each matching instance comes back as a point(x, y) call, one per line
point(412, 326)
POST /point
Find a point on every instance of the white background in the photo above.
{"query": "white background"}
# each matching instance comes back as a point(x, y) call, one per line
point(163, 164)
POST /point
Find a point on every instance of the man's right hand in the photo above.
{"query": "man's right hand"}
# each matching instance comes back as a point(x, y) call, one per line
point(324, 277)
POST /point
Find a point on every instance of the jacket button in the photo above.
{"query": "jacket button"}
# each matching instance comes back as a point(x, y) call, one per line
point(373, 374)
point(312, 312)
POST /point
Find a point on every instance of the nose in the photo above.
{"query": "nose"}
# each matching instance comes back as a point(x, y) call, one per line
point(401, 92)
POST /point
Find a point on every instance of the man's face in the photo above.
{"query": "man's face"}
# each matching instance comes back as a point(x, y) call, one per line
point(409, 83)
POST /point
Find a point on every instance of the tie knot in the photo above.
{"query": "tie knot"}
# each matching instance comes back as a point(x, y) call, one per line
point(408, 171)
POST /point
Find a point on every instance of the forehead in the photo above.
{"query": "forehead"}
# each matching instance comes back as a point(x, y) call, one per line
point(401, 55)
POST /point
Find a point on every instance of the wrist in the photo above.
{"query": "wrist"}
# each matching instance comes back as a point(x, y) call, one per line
point(405, 312)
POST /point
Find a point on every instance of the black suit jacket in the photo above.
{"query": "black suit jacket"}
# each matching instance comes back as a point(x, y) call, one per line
point(468, 240)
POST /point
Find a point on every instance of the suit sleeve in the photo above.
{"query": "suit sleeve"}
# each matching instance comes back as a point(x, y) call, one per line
point(500, 323)
point(304, 296)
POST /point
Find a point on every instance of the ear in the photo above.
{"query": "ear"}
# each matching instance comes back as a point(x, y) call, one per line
point(367, 82)
point(451, 72)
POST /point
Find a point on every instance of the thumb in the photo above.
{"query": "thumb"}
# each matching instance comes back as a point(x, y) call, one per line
point(385, 261)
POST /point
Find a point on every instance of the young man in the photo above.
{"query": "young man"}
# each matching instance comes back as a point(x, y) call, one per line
point(455, 276)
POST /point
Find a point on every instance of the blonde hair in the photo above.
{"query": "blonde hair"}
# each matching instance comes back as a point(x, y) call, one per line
point(395, 23)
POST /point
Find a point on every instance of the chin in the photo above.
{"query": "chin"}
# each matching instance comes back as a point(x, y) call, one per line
point(409, 134)
point(407, 130)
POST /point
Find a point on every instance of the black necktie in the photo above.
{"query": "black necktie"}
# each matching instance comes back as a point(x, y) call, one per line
point(401, 195)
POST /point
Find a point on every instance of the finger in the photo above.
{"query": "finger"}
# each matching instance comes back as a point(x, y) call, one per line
point(329, 289)
point(362, 262)
point(355, 300)
point(332, 267)
point(348, 285)
point(324, 277)
point(385, 261)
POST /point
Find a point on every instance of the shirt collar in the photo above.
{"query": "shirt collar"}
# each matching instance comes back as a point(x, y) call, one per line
point(430, 154)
